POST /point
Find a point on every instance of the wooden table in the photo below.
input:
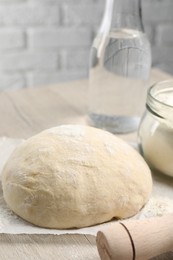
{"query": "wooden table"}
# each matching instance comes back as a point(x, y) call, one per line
point(24, 113)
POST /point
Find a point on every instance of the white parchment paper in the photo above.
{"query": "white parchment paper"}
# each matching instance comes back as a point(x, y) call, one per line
point(160, 203)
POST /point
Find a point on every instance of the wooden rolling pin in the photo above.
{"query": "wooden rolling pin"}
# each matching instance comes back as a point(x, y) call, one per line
point(136, 239)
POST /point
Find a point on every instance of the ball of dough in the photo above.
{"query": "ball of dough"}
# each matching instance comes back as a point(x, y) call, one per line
point(74, 176)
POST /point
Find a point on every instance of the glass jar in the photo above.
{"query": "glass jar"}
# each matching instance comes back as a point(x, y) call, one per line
point(120, 62)
point(156, 128)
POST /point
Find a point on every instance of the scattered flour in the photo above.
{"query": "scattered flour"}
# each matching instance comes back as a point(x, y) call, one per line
point(76, 131)
point(110, 149)
point(156, 207)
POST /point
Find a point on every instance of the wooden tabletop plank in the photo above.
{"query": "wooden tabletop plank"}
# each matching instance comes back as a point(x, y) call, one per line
point(26, 112)
point(47, 247)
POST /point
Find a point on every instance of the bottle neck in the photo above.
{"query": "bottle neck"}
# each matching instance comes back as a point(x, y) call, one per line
point(122, 14)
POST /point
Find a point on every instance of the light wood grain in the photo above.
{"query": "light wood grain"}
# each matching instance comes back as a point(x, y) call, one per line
point(136, 239)
point(26, 112)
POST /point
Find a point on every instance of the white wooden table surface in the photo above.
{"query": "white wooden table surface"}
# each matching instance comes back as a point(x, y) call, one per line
point(24, 113)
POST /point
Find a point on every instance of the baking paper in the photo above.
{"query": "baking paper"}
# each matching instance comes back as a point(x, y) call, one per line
point(160, 203)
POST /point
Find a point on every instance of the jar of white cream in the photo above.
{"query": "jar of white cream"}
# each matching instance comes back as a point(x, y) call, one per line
point(156, 128)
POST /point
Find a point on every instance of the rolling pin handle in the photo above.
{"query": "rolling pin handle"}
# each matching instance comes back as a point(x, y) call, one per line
point(136, 239)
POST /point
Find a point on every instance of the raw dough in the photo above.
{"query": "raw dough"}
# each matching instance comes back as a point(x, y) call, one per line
point(75, 176)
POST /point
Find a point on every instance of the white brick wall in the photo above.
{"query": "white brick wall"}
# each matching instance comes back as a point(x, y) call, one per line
point(59, 38)
point(165, 34)
point(12, 81)
point(26, 14)
point(74, 59)
point(27, 60)
point(11, 39)
point(157, 11)
point(82, 13)
point(48, 41)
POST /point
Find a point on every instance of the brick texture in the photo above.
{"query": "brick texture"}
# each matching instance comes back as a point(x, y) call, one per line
point(48, 41)
point(157, 11)
point(11, 39)
point(61, 37)
point(28, 61)
point(74, 59)
point(12, 81)
point(82, 14)
point(28, 14)
point(164, 35)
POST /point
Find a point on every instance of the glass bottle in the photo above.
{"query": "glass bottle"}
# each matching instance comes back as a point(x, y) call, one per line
point(120, 62)
point(156, 128)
